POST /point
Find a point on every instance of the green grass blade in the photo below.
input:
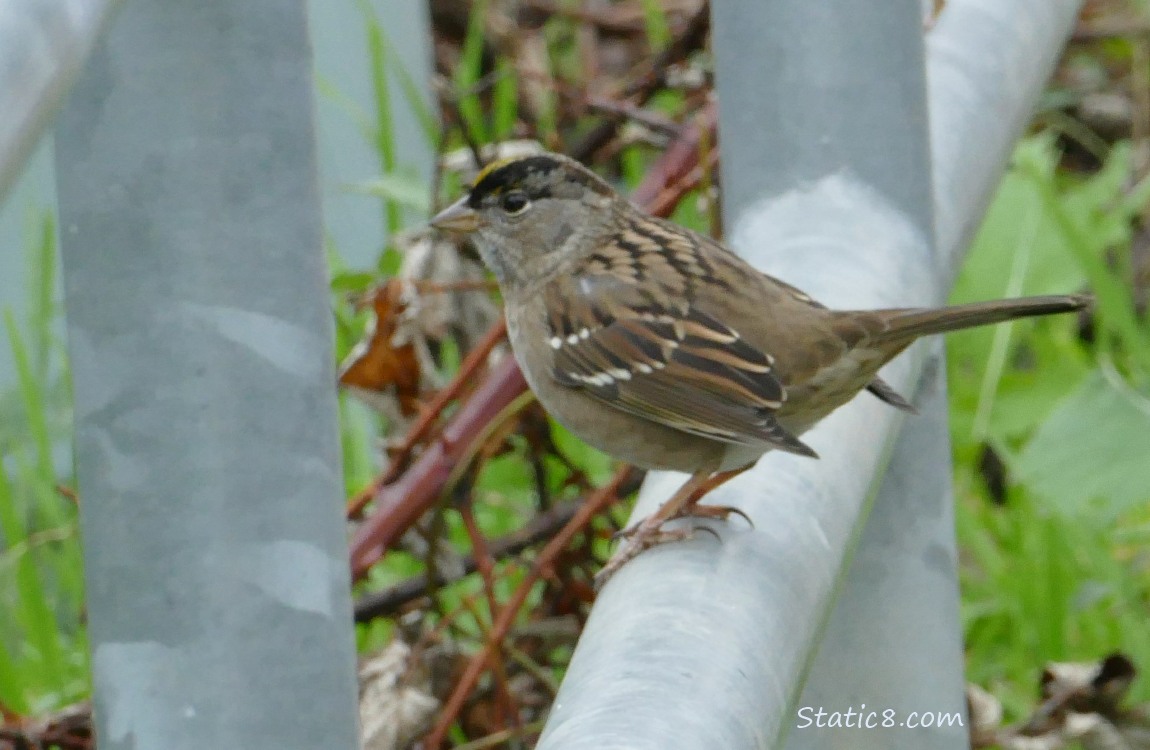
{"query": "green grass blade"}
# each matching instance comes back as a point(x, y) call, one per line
point(12, 695)
point(996, 361)
point(32, 612)
point(42, 280)
point(413, 94)
point(329, 90)
point(468, 73)
point(504, 102)
point(384, 126)
point(357, 425)
point(33, 397)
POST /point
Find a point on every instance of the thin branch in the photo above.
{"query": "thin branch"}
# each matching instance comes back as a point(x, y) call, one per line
point(475, 359)
point(643, 86)
point(543, 526)
point(595, 504)
point(400, 504)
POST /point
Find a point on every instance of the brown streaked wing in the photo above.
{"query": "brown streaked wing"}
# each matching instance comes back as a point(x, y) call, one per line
point(648, 352)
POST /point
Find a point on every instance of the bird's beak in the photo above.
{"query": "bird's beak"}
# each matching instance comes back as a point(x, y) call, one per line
point(458, 217)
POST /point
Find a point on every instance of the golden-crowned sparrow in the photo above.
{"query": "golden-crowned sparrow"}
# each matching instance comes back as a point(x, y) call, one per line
point(663, 348)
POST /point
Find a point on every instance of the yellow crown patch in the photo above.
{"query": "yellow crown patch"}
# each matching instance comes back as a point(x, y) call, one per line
point(492, 167)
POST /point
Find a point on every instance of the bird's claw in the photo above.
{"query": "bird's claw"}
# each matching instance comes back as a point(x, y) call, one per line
point(722, 512)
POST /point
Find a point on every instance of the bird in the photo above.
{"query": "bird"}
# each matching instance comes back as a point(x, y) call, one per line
point(662, 347)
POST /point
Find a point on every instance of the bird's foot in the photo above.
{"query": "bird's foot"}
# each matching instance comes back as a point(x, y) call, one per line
point(643, 536)
point(636, 540)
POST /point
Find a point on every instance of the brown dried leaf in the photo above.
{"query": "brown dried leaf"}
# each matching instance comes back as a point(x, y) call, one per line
point(380, 364)
point(985, 712)
point(70, 728)
point(1080, 707)
point(434, 297)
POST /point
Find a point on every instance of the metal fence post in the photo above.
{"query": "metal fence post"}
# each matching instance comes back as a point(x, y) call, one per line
point(987, 62)
point(201, 347)
point(894, 639)
point(897, 583)
point(823, 130)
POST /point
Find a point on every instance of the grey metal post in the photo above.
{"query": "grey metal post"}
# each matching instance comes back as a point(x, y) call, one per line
point(823, 130)
point(894, 639)
point(902, 580)
point(201, 347)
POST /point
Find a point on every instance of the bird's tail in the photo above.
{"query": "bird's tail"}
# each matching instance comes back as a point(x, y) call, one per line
point(907, 325)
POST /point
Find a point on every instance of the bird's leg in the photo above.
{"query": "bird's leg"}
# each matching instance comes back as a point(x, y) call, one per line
point(692, 509)
point(683, 504)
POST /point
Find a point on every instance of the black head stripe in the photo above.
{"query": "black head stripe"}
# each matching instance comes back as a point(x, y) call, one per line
point(535, 175)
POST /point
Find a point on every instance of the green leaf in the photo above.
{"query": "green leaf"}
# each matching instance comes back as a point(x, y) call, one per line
point(1019, 224)
point(1090, 455)
point(344, 282)
point(1090, 227)
point(397, 187)
point(390, 262)
point(597, 465)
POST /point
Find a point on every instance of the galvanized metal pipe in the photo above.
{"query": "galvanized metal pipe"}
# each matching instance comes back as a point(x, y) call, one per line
point(896, 623)
point(201, 348)
point(823, 130)
point(43, 44)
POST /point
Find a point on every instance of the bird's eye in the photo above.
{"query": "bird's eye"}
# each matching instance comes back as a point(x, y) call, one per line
point(514, 202)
